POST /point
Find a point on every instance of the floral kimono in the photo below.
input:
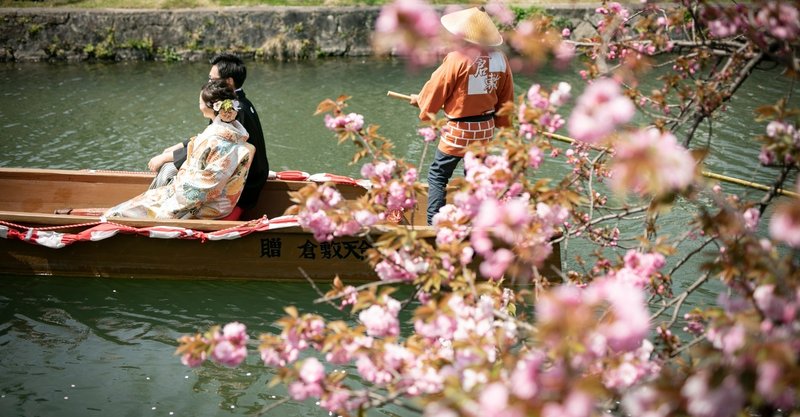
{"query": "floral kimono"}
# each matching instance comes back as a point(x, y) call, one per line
point(207, 186)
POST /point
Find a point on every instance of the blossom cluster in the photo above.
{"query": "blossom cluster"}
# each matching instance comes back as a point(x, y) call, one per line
point(505, 230)
point(351, 122)
point(781, 143)
point(776, 19)
point(539, 112)
point(227, 346)
point(322, 213)
point(392, 184)
point(785, 223)
point(599, 111)
point(651, 162)
point(409, 28)
point(575, 345)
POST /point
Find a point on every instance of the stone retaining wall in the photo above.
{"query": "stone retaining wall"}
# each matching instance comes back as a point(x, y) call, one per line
point(197, 34)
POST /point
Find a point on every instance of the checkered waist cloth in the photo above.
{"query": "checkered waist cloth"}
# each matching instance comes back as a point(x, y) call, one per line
point(457, 136)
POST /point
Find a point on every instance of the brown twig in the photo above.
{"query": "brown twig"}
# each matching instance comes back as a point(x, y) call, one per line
point(679, 300)
point(314, 286)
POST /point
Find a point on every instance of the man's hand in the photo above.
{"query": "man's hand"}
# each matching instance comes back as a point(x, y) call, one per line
point(414, 100)
point(157, 161)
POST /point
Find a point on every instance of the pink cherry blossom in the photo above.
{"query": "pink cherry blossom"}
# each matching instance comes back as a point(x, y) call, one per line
point(723, 27)
point(535, 157)
point(780, 19)
point(401, 265)
point(496, 263)
point(638, 268)
point(335, 400)
point(563, 54)
point(424, 379)
point(631, 321)
point(561, 94)
point(370, 371)
point(409, 28)
point(499, 10)
point(525, 377)
point(449, 226)
point(428, 134)
point(493, 401)
point(352, 122)
point(651, 162)
point(770, 304)
point(309, 382)
point(231, 346)
point(704, 400)
point(192, 360)
point(784, 226)
point(633, 367)
point(381, 320)
point(769, 386)
point(645, 401)
point(312, 371)
point(195, 358)
point(751, 217)
point(599, 110)
point(576, 404)
point(443, 326)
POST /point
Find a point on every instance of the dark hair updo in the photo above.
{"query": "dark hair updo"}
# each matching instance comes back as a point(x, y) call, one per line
point(216, 90)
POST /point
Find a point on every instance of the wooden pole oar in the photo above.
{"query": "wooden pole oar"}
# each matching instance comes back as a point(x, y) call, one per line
point(400, 96)
point(788, 193)
point(706, 174)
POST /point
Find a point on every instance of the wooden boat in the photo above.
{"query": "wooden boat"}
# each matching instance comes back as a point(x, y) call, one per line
point(261, 245)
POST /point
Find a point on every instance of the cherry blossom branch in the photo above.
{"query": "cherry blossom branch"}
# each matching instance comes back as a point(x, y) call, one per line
point(680, 299)
point(601, 219)
point(743, 74)
point(591, 175)
point(366, 145)
point(602, 65)
point(268, 408)
point(372, 284)
point(774, 190)
point(377, 400)
point(688, 256)
point(688, 346)
point(521, 324)
point(314, 286)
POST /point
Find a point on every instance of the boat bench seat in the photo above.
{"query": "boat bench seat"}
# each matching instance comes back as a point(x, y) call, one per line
point(236, 213)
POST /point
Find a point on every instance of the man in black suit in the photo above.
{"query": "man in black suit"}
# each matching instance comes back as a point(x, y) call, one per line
point(232, 69)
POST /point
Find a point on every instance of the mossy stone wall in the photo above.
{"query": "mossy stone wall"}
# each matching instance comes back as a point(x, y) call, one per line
point(283, 33)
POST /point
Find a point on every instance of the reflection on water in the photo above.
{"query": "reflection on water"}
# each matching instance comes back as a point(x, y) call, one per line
point(72, 345)
point(76, 347)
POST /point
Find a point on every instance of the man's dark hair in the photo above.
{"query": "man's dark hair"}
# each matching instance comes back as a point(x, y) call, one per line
point(232, 66)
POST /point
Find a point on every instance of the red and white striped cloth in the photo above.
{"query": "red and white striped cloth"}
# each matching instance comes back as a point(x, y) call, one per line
point(52, 238)
point(98, 231)
point(321, 177)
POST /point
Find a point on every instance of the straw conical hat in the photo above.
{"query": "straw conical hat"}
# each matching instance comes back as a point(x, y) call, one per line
point(474, 25)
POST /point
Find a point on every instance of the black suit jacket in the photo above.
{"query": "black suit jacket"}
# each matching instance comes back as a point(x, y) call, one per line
point(259, 168)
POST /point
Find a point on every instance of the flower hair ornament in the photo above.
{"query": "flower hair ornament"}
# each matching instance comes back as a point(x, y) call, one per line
point(227, 109)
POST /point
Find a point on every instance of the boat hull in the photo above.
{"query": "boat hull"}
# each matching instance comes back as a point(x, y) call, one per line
point(257, 249)
point(283, 255)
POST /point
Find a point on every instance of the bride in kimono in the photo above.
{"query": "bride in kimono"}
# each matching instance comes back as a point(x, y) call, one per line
point(209, 183)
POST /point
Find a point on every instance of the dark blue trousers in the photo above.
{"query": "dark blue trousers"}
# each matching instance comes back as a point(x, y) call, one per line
point(438, 176)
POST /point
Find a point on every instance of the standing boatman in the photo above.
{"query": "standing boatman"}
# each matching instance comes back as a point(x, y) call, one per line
point(471, 86)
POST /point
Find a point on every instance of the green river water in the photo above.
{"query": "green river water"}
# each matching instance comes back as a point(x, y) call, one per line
point(100, 347)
